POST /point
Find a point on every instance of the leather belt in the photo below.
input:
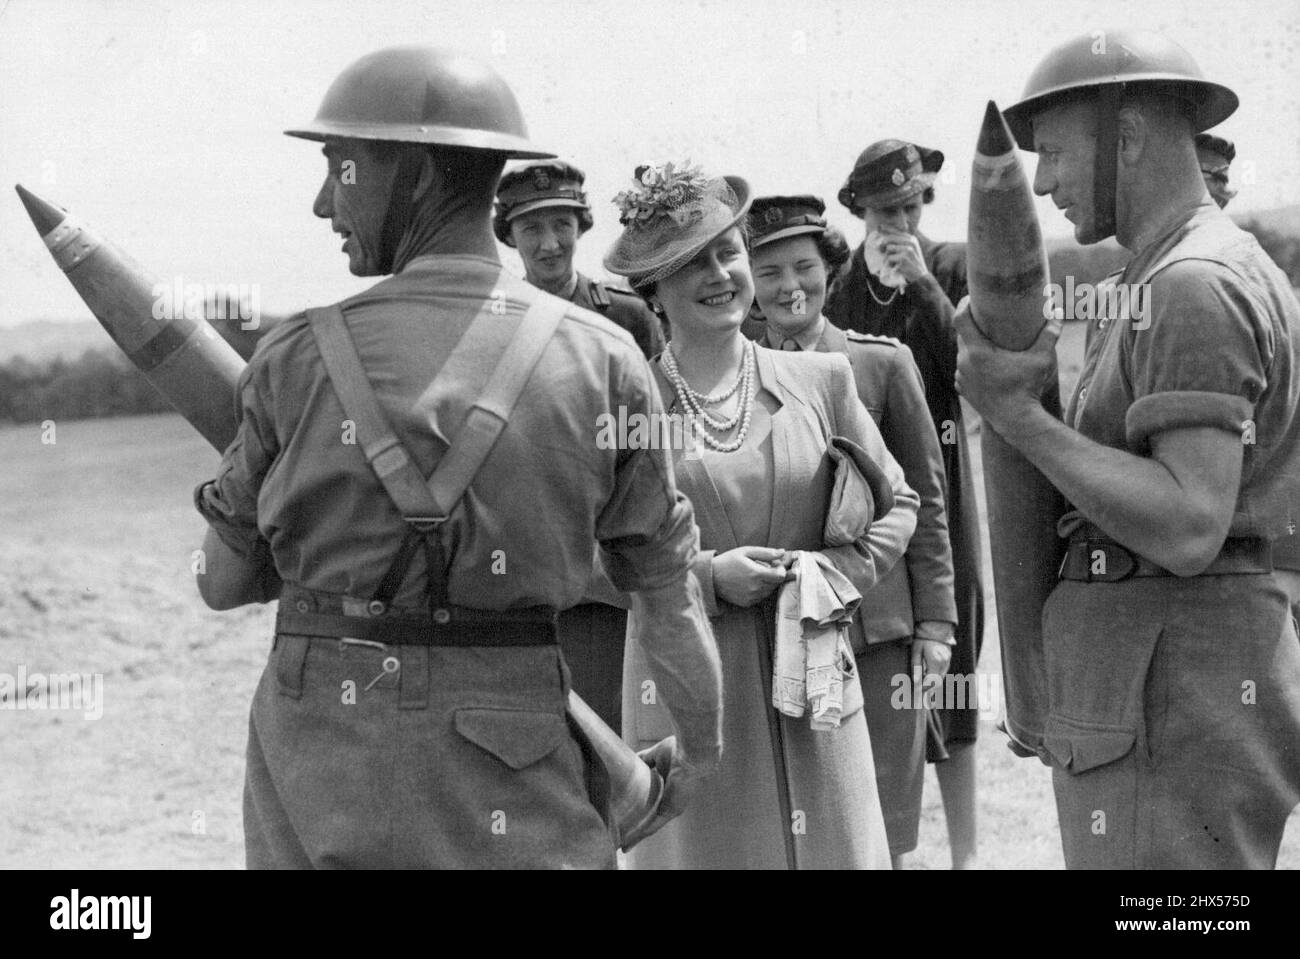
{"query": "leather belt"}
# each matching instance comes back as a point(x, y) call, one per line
point(1094, 558)
point(306, 612)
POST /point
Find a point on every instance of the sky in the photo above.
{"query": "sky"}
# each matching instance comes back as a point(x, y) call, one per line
point(161, 122)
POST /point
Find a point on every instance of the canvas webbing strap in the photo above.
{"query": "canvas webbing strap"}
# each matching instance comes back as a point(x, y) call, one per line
point(428, 503)
point(380, 446)
point(489, 415)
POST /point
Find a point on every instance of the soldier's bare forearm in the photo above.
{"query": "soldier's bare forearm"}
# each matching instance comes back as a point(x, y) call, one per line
point(1173, 507)
point(678, 642)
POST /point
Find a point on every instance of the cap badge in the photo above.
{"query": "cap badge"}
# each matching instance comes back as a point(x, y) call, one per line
point(898, 177)
point(542, 180)
point(773, 215)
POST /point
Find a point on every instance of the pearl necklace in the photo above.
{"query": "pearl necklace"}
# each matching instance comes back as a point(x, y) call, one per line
point(694, 402)
point(670, 363)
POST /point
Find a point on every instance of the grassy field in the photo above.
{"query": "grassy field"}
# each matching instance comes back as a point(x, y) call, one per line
point(95, 577)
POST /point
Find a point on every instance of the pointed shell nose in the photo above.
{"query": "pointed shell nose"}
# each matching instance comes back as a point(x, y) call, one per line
point(45, 215)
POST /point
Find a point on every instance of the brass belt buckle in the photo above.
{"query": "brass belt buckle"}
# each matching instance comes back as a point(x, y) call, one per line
point(425, 524)
point(353, 641)
point(361, 609)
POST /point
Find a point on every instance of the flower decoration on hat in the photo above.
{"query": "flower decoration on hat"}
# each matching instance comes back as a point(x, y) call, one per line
point(663, 191)
point(671, 213)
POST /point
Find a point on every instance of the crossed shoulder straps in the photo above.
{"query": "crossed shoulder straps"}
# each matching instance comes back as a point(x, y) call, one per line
point(432, 500)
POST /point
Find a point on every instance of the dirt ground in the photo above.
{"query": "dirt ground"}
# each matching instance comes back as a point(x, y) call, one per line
point(95, 577)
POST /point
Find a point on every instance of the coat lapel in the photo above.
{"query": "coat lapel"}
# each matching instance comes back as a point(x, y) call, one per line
point(782, 487)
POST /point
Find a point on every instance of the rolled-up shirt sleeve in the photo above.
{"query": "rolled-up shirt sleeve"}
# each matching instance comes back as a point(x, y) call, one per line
point(647, 528)
point(1198, 357)
point(229, 502)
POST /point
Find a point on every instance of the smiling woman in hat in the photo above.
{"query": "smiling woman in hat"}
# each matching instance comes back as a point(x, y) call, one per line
point(901, 284)
point(786, 796)
point(907, 626)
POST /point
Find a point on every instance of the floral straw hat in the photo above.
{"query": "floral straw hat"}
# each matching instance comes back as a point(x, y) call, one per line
point(670, 214)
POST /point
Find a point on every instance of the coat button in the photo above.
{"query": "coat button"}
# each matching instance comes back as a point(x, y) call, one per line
point(302, 606)
point(441, 616)
point(376, 607)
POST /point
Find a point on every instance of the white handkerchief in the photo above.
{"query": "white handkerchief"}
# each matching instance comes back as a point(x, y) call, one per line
point(873, 252)
point(813, 614)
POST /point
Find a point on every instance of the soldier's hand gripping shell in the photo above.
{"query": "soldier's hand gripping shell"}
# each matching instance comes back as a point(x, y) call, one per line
point(1000, 383)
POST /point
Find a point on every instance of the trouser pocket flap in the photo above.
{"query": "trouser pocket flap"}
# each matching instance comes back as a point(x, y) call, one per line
point(1079, 746)
point(517, 737)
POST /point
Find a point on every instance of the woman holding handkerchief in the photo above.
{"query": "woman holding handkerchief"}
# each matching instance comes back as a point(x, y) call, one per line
point(899, 283)
point(760, 472)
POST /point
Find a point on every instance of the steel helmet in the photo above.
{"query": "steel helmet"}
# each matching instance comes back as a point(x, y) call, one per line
point(1111, 63)
point(423, 95)
point(1120, 57)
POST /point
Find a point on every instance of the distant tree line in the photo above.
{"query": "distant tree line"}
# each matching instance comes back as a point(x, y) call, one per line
point(1091, 263)
point(104, 383)
point(99, 383)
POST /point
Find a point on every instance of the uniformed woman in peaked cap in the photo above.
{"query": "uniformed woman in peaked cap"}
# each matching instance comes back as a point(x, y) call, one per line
point(908, 618)
point(900, 283)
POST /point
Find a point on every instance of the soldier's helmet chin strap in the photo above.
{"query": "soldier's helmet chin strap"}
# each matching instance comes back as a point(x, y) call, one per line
point(1105, 166)
point(401, 209)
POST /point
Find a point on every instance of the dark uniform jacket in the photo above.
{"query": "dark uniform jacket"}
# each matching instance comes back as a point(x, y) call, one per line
point(921, 317)
point(624, 308)
point(889, 385)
